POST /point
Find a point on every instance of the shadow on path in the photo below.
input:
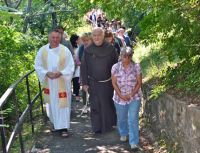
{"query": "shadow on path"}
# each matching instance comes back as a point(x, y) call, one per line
point(81, 139)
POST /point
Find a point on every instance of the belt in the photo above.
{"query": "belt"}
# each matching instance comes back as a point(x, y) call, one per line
point(101, 81)
point(105, 80)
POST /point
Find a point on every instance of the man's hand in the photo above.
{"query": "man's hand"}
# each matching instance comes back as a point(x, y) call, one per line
point(50, 75)
point(53, 75)
point(57, 75)
point(85, 88)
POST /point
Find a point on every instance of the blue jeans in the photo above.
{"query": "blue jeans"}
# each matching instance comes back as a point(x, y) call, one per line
point(128, 120)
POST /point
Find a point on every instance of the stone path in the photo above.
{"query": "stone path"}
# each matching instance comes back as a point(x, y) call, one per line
point(82, 140)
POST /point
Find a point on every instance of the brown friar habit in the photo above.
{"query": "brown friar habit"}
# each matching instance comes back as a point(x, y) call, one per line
point(96, 67)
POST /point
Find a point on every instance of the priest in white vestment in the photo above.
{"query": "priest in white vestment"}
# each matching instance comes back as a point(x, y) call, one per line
point(54, 66)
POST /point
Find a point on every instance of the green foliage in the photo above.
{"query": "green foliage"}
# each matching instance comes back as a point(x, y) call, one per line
point(185, 75)
point(17, 55)
point(130, 15)
point(175, 23)
point(174, 26)
point(8, 17)
point(40, 16)
point(155, 93)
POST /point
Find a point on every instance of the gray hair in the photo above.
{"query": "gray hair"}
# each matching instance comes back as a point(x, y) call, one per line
point(98, 30)
point(126, 51)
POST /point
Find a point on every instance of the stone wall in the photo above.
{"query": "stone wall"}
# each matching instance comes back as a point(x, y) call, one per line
point(180, 122)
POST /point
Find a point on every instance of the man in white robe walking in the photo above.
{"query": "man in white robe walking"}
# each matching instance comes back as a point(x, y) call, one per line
point(54, 66)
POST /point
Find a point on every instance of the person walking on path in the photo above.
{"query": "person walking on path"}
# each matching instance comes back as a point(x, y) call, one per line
point(96, 65)
point(54, 65)
point(127, 80)
point(76, 42)
point(110, 39)
point(86, 40)
point(64, 41)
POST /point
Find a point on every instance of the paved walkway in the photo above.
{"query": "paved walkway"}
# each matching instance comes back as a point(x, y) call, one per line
point(82, 140)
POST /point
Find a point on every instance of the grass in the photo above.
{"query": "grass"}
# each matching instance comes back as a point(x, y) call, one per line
point(182, 76)
point(151, 60)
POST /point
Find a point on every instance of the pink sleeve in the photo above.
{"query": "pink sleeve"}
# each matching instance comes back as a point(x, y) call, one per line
point(138, 69)
point(114, 70)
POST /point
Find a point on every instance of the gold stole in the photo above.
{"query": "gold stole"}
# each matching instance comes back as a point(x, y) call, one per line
point(62, 94)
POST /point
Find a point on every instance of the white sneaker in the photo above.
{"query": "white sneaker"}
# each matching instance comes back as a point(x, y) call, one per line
point(123, 138)
point(134, 147)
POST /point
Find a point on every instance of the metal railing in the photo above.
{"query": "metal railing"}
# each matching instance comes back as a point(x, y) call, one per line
point(17, 131)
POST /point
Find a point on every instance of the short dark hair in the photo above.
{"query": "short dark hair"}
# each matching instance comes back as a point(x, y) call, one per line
point(60, 27)
point(55, 30)
point(123, 27)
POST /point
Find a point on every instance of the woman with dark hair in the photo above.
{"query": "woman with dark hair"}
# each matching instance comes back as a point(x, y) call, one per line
point(76, 41)
point(110, 39)
point(127, 81)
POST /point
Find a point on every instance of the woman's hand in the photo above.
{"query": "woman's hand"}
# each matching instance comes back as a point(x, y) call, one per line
point(125, 97)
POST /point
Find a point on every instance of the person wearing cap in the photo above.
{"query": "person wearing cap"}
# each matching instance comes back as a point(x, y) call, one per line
point(127, 81)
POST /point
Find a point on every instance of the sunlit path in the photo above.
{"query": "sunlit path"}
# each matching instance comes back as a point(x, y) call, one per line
point(81, 139)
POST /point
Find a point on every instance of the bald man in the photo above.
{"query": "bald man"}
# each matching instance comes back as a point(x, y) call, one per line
point(96, 66)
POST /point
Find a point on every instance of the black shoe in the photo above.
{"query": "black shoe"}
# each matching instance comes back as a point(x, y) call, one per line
point(66, 130)
point(98, 132)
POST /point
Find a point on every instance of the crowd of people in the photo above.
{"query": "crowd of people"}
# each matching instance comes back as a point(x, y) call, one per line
point(113, 27)
point(101, 63)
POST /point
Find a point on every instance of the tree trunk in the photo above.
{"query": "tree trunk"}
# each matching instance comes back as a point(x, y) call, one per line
point(54, 20)
point(42, 24)
point(26, 20)
point(13, 4)
point(53, 16)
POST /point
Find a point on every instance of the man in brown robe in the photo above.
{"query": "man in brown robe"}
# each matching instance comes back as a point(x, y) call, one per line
point(96, 66)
